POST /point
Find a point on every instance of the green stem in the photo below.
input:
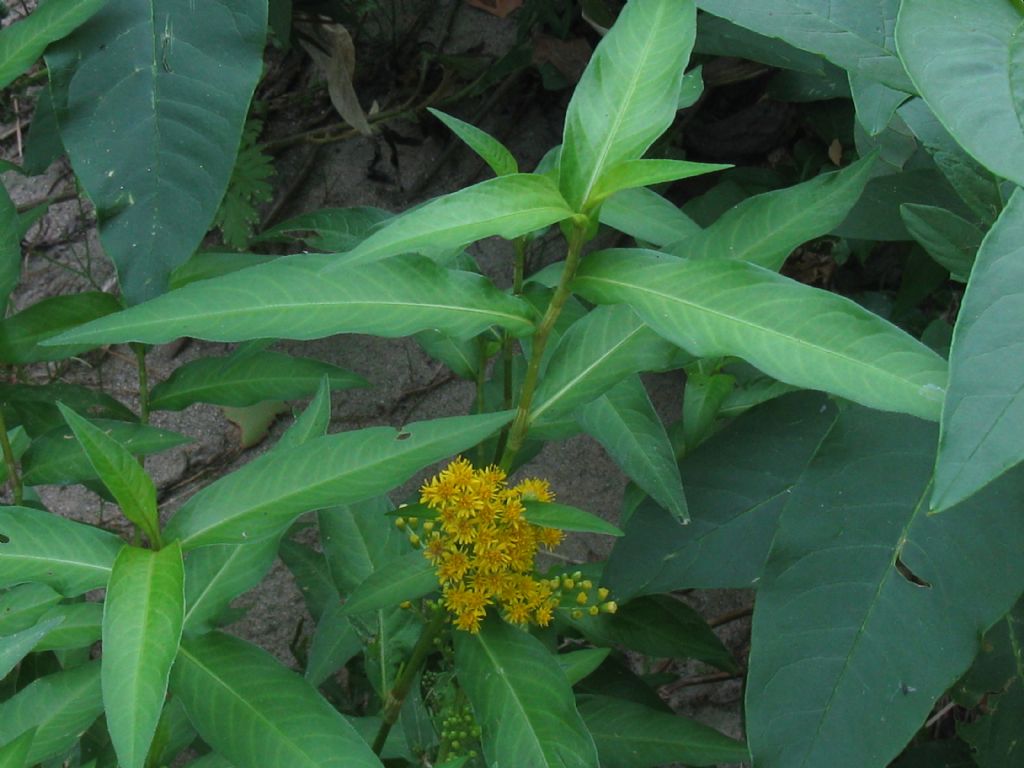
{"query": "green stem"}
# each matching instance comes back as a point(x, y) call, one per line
point(396, 696)
point(519, 268)
point(521, 422)
point(140, 357)
point(11, 462)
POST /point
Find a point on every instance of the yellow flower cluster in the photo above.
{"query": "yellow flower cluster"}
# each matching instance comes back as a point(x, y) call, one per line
point(483, 547)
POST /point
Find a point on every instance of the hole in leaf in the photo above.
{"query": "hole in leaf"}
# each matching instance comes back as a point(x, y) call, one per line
point(403, 435)
point(910, 576)
point(4, 539)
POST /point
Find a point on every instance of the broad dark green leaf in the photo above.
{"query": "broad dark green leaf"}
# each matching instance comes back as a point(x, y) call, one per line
point(312, 422)
point(658, 626)
point(68, 556)
point(17, 645)
point(597, 352)
point(766, 228)
point(521, 699)
point(330, 229)
point(34, 406)
point(856, 37)
point(142, 620)
point(396, 297)
point(646, 216)
point(81, 626)
point(631, 735)
point(949, 239)
point(578, 664)
point(876, 103)
point(624, 422)
point(967, 60)
point(870, 608)
point(490, 150)
point(984, 411)
point(736, 484)
point(628, 94)
point(57, 458)
point(59, 706)
point(10, 243)
point(21, 334)
point(258, 714)
point(552, 515)
point(22, 43)
point(120, 472)
point(263, 498)
point(716, 307)
point(720, 37)
point(24, 605)
point(14, 753)
point(42, 144)
point(246, 380)
point(630, 174)
point(172, 96)
point(408, 578)
point(335, 642)
point(508, 206)
point(214, 576)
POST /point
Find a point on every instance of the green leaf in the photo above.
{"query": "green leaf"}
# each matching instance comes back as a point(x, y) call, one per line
point(312, 422)
point(258, 714)
point(491, 151)
point(142, 620)
point(214, 576)
point(23, 43)
point(967, 61)
point(172, 96)
point(263, 498)
point(120, 472)
point(68, 556)
point(703, 398)
point(241, 380)
point(57, 458)
point(205, 265)
point(463, 356)
point(766, 228)
point(329, 229)
point(630, 174)
point(408, 578)
point(81, 627)
point(42, 144)
point(35, 406)
point(335, 642)
point(736, 484)
point(850, 35)
point(647, 217)
point(22, 334)
point(949, 239)
point(552, 515)
point(947, 753)
point(873, 608)
point(254, 421)
point(597, 352)
point(521, 699)
point(396, 297)
point(10, 242)
point(358, 539)
point(719, 37)
point(995, 738)
point(17, 645)
point(628, 94)
point(312, 576)
point(24, 605)
point(508, 206)
point(661, 627)
point(984, 410)
point(631, 735)
point(578, 664)
point(14, 753)
point(719, 308)
point(59, 706)
point(875, 102)
point(624, 422)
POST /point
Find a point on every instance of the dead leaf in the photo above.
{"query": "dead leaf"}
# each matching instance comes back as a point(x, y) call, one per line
point(835, 152)
point(335, 56)
point(254, 421)
point(500, 8)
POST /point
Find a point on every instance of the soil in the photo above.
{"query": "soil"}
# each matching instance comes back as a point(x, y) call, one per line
point(406, 162)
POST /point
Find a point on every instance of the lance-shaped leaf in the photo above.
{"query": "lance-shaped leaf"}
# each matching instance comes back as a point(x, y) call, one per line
point(358, 539)
point(578, 664)
point(490, 150)
point(396, 297)
point(624, 421)
point(628, 94)
point(214, 576)
point(10, 246)
point(799, 335)
point(120, 472)
point(68, 556)
point(647, 216)
point(312, 422)
point(949, 239)
point(172, 95)
point(24, 605)
point(142, 620)
point(80, 628)
point(507, 206)
point(335, 642)
point(263, 497)
point(312, 576)
point(59, 706)
point(765, 229)
point(630, 735)
point(630, 174)
point(869, 608)
point(246, 380)
point(984, 411)
point(967, 61)
point(408, 578)
point(521, 699)
point(857, 38)
point(24, 42)
point(21, 335)
point(329, 229)
point(16, 646)
point(597, 352)
point(14, 754)
point(552, 515)
point(35, 406)
point(258, 714)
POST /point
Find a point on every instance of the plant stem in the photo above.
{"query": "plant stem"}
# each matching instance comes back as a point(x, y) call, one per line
point(396, 696)
point(521, 422)
point(9, 460)
point(140, 357)
point(519, 267)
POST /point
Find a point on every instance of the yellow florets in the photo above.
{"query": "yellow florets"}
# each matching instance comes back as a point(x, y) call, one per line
point(483, 547)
